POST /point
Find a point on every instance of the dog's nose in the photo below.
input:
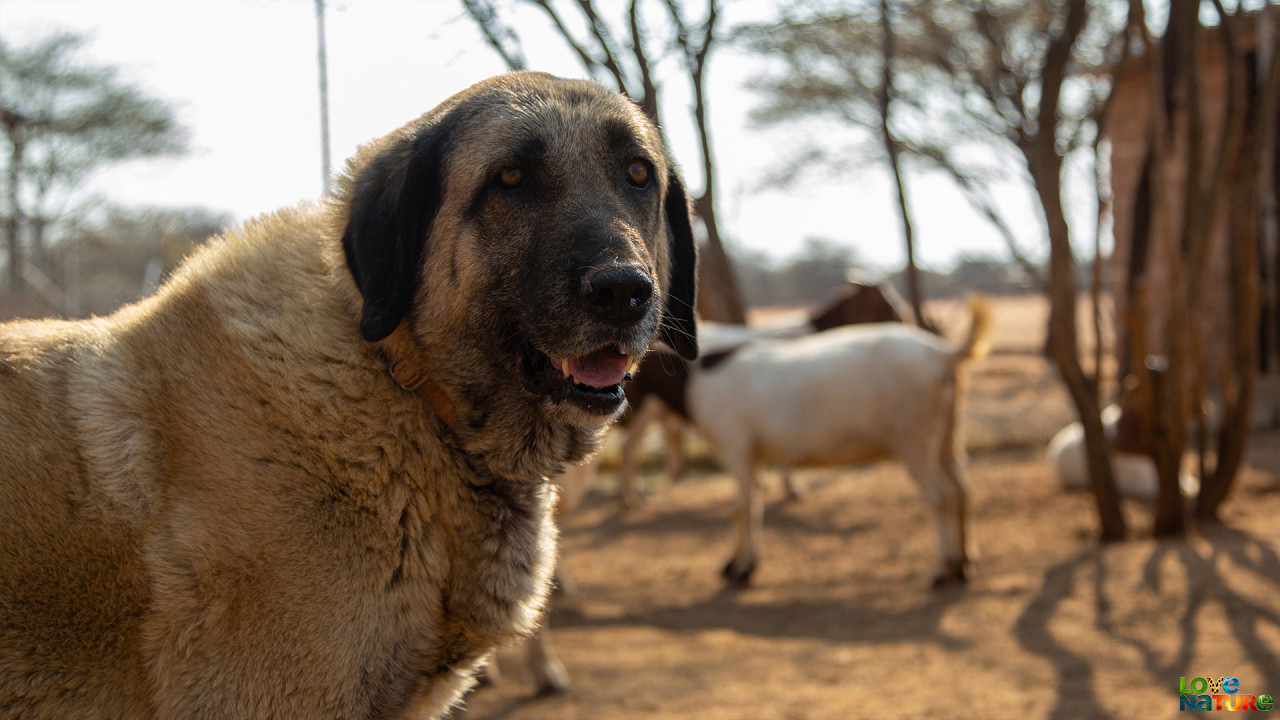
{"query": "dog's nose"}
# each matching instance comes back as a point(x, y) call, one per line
point(618, 294)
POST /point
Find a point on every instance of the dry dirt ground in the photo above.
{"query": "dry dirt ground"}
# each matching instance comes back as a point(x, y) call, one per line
point(840, 621)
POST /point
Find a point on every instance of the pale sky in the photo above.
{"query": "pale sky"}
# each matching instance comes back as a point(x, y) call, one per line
point(242, 75)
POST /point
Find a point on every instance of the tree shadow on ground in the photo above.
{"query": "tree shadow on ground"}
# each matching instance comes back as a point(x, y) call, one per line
point(1076, 694)
point(1205, 577)
point(1204, 573)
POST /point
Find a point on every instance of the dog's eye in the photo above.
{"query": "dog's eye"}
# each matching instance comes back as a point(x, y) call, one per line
point(510, 177)
point(638, 173)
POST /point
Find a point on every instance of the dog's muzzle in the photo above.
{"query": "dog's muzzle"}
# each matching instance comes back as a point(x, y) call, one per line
point(593, 382)
point(617, 294)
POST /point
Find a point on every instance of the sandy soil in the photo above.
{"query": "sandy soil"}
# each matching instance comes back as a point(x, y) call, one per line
point(840, 621)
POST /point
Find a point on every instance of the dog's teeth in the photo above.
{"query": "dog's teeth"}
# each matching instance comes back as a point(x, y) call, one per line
point(564, 368)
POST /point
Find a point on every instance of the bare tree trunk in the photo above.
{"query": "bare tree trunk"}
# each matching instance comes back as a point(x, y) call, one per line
point(723, 302)
point(1269, 232)
point(1046, 171)
point(1095, 269)
point(1063, 347)
point(648, 90)
point(1161, 379)
point(1173, 373)
point(1269, 200)
point(1240, 386)
point(892, 149)
point(323, 60)
point(1238, 391)
point(16, 131)
point(1168, 441)
point(718, 297)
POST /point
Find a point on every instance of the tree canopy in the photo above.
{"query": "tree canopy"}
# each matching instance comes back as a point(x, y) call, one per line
point(64, 119)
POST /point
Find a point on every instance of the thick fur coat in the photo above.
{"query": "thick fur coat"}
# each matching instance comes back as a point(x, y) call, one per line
point(218, 503)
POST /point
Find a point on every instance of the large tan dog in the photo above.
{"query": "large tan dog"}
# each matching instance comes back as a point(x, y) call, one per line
point(218, 502)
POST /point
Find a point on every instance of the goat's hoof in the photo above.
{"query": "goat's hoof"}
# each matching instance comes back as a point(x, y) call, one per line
point(552, 681)
point(953, 573)
point(738, 576)
point(628, 501)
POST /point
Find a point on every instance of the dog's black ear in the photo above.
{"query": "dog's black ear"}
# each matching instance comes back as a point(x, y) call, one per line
point(679, 327)
point(392, 205)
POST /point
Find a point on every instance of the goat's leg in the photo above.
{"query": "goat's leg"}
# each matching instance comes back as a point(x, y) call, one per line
point(948, 499)
point(573, 483)
point(952, 465)
point(677, 461)
point(748, 521)
point(793, 486)
point(549, 674)
point(955, 555)
point(650, 410)
point(951, 457)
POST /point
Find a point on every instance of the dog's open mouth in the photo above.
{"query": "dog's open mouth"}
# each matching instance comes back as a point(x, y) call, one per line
point(593, 381)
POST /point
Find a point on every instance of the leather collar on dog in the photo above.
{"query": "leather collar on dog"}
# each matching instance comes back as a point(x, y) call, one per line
point(408, 369)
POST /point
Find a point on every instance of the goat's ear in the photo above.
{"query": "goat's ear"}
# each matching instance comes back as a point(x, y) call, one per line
point(393, 202)
point(679, 327)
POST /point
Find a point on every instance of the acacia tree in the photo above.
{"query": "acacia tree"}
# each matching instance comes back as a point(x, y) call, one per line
point(64, 120)
point(893, 151)
point(624, 58)
point(874, 69)
point(991, 74)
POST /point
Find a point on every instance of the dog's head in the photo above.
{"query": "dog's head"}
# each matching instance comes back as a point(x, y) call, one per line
point(534, 235)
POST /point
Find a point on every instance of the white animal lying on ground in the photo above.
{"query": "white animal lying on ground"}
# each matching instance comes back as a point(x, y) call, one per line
point(843, 396)
point(1135, 473)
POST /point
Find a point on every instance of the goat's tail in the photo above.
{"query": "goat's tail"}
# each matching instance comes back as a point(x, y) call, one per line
point(978, 344)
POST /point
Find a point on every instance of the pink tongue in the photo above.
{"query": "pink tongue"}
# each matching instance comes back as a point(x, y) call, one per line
point(600, 369)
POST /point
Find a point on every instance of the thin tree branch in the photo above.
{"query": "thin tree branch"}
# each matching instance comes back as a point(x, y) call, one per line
point(649, 97)
point(497, 34)
point(608, 47)
point(589, 63)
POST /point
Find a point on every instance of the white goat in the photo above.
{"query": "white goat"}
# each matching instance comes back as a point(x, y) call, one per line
point(657, 395)
point(660, 406)
point(842, 396)
point(1135, 473)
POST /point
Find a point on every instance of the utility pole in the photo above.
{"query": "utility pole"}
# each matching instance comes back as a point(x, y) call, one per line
point(15, 126)
point(324, 97)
